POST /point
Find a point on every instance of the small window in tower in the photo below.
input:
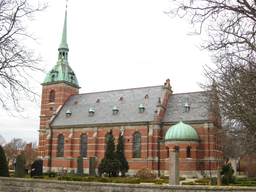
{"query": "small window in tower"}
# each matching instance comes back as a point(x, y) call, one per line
point(146, 96)
point(98, 101)
point(121, 99)
point(188, 152)
point(51, 108)
point(176, 149)
point(68, 113)
point(53, 78)
point(115, 110)
point(167, 150)
point(72, 79)
point(141, 108)
point(52, 96)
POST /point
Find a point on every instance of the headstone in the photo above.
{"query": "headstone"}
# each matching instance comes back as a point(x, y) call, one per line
point(213, 181)
point(72, 172)
point(174, 169)
point(92, 166)
point(247, 174)
point(99, 170)
point(51, 175)
point(80, 167)
point(233, 165)
point(218, 176)
point(37, 168)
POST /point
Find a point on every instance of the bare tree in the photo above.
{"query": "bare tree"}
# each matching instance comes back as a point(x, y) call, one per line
point(12, 148)
point(2, 140)
point(17, 60)
point(229, 29)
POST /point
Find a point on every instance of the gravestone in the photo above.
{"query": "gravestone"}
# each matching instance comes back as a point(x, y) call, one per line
point(99, 170)
point(72, 172)
point(37, 169)
point(51, 175)
point(174, 169)
point(218, 176)
point(80, 167)
point(92, 166)
point(247, 174)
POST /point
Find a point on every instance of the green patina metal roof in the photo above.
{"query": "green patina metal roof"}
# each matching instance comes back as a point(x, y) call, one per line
point(62, 71)
point(141, 106)
point(182, 131)
point(68, 112)
point(91, 110)
point(115, 108)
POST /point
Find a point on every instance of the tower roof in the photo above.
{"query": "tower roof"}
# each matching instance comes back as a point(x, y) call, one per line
point(62, 71)
point(182, 131)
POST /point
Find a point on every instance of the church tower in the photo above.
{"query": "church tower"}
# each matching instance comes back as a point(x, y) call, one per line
point(58, 85)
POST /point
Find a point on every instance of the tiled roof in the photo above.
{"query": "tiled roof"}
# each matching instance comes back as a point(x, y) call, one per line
point(197, 101)
point(128, 107)
point(103, 102)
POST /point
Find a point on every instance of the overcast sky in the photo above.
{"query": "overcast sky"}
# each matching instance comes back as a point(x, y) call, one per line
point(114, 44)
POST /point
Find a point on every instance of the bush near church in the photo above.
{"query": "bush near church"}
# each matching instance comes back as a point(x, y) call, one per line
point(228, 177)
point(4, 172)
point(20, 166)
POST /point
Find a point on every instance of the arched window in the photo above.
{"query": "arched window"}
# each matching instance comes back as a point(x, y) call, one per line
point(167, 152)
point(176, 149)
point(53, 78)
point(137, 145)
point(188, 152)
point(107, 141)
point(60, 146)
point(52, 96)
point(84, 145)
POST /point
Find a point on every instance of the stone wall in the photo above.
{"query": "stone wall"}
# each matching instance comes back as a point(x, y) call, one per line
point(34, 185)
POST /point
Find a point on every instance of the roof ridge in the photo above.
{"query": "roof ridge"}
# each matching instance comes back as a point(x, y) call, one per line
point(119, 90)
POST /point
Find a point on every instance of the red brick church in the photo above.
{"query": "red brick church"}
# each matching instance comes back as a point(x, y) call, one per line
point(149, 118)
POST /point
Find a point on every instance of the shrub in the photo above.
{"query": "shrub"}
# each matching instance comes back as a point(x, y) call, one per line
point(144, 173)
point(228, 177)
point(4, 172)
point(20, 166)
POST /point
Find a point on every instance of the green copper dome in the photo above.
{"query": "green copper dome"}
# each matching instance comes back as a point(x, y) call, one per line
point(181, 131)
point(62, 71)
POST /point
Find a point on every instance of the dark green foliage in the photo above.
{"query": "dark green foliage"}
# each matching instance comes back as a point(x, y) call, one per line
point(20, 166)
point(110, 164)
point(120, 153)
point(4, 172)
point(228, 177)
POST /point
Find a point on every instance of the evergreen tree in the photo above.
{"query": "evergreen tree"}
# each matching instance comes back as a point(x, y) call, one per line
point(110, 163)
point(4, 172)
point(120, 154)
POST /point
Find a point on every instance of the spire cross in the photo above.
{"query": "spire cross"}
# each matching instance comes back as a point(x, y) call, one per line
point(66, 4)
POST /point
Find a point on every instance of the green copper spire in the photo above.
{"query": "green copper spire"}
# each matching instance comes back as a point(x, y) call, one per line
point(63, 44)
point(62, 71)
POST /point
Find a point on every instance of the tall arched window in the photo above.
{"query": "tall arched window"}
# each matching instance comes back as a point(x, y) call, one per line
point(137, 145)
point(60, 146)
point(176, 149)
point(52, 96)
point(188, 152)
point(84, 145)
point(167, 155)
point(107, 141)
